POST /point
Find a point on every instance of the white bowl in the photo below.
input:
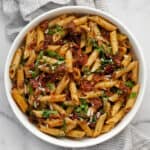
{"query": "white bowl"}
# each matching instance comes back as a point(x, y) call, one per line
point(64, 142)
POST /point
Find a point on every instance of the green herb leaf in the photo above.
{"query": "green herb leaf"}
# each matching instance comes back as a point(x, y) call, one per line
point(54, 54)
point(129, 83)
point(51, 86)
point(83, 108)
point(30, 89)
point(34, 74)
point(47, 113)
point(133, 95)
point(93, 42)
point(56, 29)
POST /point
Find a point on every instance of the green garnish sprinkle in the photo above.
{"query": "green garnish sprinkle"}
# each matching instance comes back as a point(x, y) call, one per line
point(133, 95)
point(46, 113)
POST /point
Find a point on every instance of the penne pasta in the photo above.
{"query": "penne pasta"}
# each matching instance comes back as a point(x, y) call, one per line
point(73, 91)
point(20, 78)
point(53, 98)
point(103, 23)
point(75, 76)
point(131, 100)
point(76, 134)
point(19, 99)
point(62, 84)
point(114, 41)
point(52, 131)
point(15, 63)
point(69, 61)
point(99, 125)
point(92, 58)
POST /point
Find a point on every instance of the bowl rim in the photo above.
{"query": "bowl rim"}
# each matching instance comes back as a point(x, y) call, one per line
point(50, 139)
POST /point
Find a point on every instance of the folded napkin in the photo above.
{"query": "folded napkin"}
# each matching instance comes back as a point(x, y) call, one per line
point(20, 12)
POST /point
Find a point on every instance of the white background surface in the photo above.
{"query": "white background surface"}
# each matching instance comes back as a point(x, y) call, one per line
point(136, 15)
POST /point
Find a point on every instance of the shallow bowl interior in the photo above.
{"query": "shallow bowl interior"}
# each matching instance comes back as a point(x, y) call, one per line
point(87, 141)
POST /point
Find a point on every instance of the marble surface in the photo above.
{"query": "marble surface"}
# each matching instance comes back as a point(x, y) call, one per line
point(13, 136)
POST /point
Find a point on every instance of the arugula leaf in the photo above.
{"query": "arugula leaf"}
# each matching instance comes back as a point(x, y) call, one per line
point(133, 95)
point(129, 83)
point(46, 113)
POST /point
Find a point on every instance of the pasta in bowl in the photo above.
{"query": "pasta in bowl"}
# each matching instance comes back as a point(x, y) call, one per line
point(75, 75)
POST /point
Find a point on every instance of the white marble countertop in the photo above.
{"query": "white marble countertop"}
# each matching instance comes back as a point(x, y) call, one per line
point(13, 136)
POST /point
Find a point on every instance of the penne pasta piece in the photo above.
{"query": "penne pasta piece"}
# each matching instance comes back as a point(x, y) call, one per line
point(70, 125)
point(114, 42)
point(85, 128)
point(19, 99)
point(77, 134)
point(76, 74)
point(69, 61)
point(93, 94)
point(54, 122)
point(131, 100)
point(52, 131)
point(66, 20)
point(62, 84)
point(129, 68)
point(106, 84)
point(53, 98)
point(121, 37)
point(69, 110)
point(31, 40)
point(59, 109)
point(103, 23)
point(69, 103)
point(117, 117)
point(135, 73)
point(40, 38)
point(74, 93)
point(53, 47)
point(85, 27)
point(99, 125)
point(15, 63)
point(20, 78)
point(107, 127)
point(107, 108)
point(37, 113)
point(92, 58)
point(56, 20)
point(83, 40)
point(48, 60)
point(80, 21)
point(95, 66)
point(116, 107)
point(62, 51)
point(31, 59)
point(114, 98)
point(127, 59)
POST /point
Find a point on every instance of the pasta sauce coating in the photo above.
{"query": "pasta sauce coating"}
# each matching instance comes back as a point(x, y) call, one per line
point(75, 76)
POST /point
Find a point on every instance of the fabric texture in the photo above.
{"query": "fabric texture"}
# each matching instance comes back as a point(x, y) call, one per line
point(20, 12)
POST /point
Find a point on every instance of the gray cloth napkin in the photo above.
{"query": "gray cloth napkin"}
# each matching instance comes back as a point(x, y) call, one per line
point(20, 12)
